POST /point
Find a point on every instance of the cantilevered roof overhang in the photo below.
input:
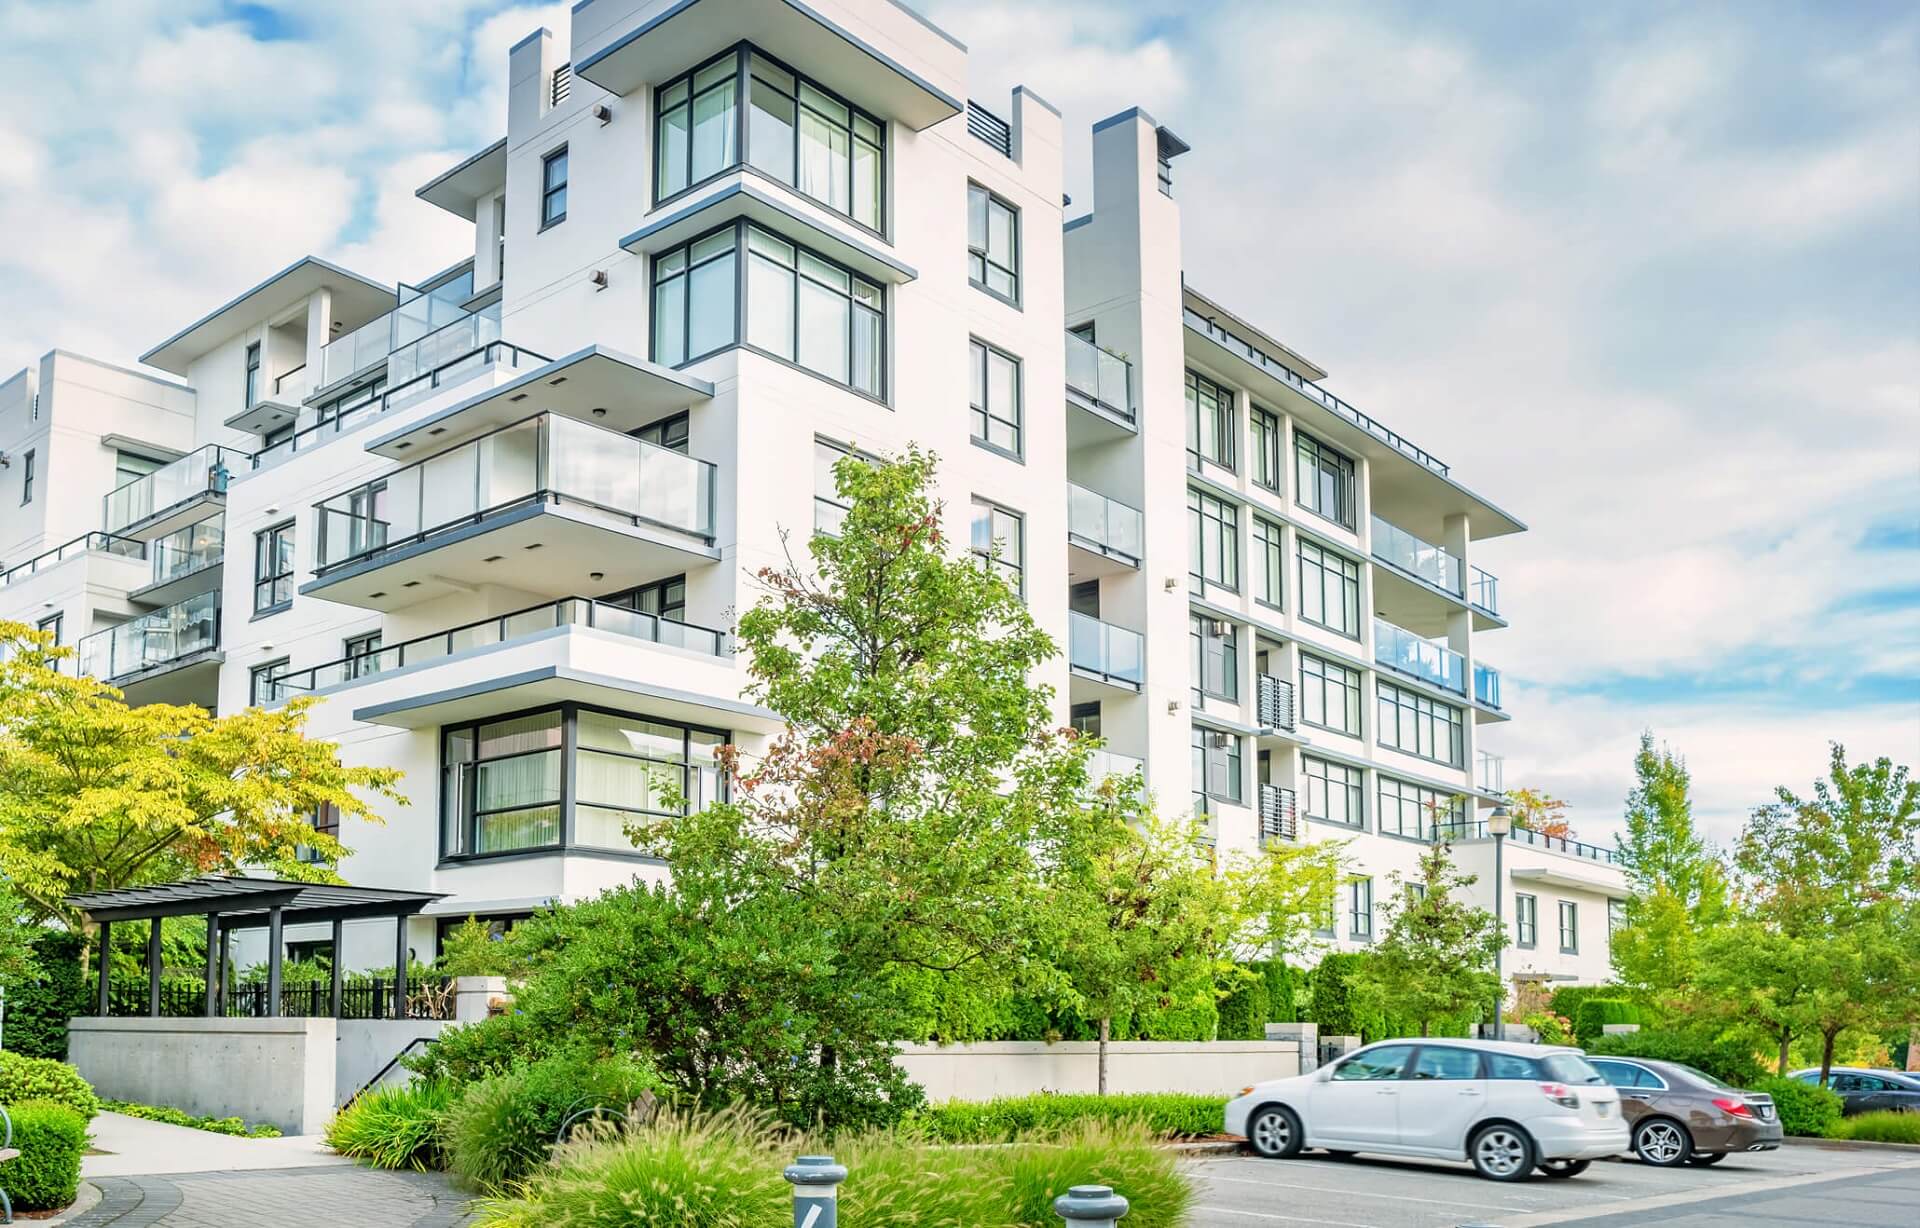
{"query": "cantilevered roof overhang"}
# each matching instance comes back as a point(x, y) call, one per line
point(745, 195)
point(598, 385)
point(234, 897)
point(356, 300)
point(689, 32)
point(460, 189)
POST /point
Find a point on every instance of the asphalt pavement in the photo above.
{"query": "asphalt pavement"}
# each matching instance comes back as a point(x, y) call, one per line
point(1794, 1187)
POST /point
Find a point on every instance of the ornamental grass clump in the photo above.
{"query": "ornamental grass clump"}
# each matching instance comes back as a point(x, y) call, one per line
point(394, 1127)
point(500, 1129)
point(1880, 1126)
point(1164, 1114)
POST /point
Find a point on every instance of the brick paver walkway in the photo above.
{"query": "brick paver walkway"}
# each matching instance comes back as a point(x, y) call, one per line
point(267, 1198)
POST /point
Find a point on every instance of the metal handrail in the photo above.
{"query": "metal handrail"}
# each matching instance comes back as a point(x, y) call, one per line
point(417, 1042)
point(280, 379)
point(1273, 701)
point(1476, 829)
point(86, 542)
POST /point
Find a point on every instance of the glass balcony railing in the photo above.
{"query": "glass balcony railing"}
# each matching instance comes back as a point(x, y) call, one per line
point(1486, 591)
point(566, 612)
point(155, 639)
point(185, 551)
point(104, 543)
point(1109, 653)
point(197, 473)
point(1103, 765)
point(447, 342)
point(1423, 560)
point(546, 458)
point(1105, 525)
point(1486, 685)
point(1100, 375)
point(1273, 701)
point(1490, 772)
point(1399, 648)
point(416, 314)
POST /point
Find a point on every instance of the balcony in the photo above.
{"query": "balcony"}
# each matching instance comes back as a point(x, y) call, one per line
point(184, 562)
point(1485, 593)
point(1422, 560)
point(1489, 772)
point(79, 547)
point(1104, 536)
point(1105, 765)
point(487, 632)
point(1401, 650)
point(1273, 701)
point(1486, 686)
point(603, 506)
point(1279, 817)
point(181, 493)
point(1100, 384)
point(277, 405)
point(1104, 655)
point(417, 314)
point(1476, 830)
point(171, 655)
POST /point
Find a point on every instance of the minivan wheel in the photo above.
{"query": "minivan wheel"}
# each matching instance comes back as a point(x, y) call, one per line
point(1564, 1168)
point(1501, 1152)
point(1274, 1131)
point(1662, 1142)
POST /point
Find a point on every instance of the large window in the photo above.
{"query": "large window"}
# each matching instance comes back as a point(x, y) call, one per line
point(263, 682)
point(1415, 811)
point(792, 131)
point(799, 307)
point(1209, 422)
point(830, 508)
point(131, 467)
point(1329, 695)
point(1526, 920)
point(1334, 793)
point(1360, 909)
point(1323, 480)
point(999, 541)
point(993, 244)
point(1269, 562)
point(1213, 541)
point(251, 391)
point(1411, 722)
point(1216, 765)
point(1216, 658)
point(994, 395)
point(26, 478)
point(553, 188)
point(662, 599)
point(273, 568)
point(1569, 928)
point(506, 785)
point(1266, 448)
point(1329, 590)
point(54, 625)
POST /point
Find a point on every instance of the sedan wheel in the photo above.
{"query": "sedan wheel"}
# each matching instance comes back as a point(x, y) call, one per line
point(1564, 1168)
point(1663, 1143)
point(1275, 1132)
point(1501, 1153)
point(1704, 1158)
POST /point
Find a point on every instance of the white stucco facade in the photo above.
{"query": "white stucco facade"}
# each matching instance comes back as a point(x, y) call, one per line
point(462, 529)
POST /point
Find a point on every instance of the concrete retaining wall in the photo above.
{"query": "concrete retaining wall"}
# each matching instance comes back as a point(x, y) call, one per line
point(280, 1071)
point(366, 1045)
point(1018, 1068)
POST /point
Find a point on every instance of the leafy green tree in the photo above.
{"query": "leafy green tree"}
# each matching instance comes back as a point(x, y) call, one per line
point(1538, 810)
point(18, 961)
point(96, 795)
point(1678, 883)
point(1435, 958)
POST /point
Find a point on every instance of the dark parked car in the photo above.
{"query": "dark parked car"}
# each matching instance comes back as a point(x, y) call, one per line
point(1867, 1091)
point(1681, 1115)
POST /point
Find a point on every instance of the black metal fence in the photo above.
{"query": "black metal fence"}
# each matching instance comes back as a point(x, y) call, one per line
point(360, 998)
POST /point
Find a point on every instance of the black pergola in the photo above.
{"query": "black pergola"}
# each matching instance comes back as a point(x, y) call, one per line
point(231, 902)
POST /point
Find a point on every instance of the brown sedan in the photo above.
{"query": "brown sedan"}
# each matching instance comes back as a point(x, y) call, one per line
point(1681, 1115)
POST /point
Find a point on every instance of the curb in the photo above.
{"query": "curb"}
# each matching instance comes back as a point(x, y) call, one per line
point(1849, 1144)
point(1215, 1147)
point(85, 1199)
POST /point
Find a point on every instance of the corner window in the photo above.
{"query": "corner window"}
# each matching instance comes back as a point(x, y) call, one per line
point(1526, 920)
point(26, 478)
point(1409, 721)
point(1333, 792)
point(1216, 765)
point(993, 244)
point(264, 683)
point(1329, 695)
point(695, 289)
point(814, 313)
point(553, 188)
point(997, 529)
point(1569, 928)
point(1329, 590)
point(1213, 541)
point(1360, 909)
point(1324, 481)
point(252, 391)
point(273, 568)
point(1209, 422)
point(994, 397)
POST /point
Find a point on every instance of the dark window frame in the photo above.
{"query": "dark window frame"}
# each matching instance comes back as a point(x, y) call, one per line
point(983, 255)
point(982, 417)
point(1435, 810)
point(1267, 562)
point(1326, 459)
point(549, 190)
point(251, 387)
point(1266, 433)
point(999, 566)
point(1328, 676)
point(1223, 422)
point(1232, 764)
point(263, 682)
point(1526, 920)
point(1205, 653)
point(271, 582)
point(1569, 927)
point(54, 622)
point(26, 477)
point(1353, 786)
point(1323, 563)
point(1360, 919)
point(1209, 514)
point(1397, 707)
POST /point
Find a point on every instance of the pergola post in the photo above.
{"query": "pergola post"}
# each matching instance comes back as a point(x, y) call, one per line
point(213, 964)
point(153, 967)
point(338, 960)
point(276, 933)
point(226, 968)
point(104, 956)
point(400, 966)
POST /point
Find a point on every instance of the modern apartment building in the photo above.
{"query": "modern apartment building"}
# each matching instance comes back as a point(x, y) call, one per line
point(499, 519)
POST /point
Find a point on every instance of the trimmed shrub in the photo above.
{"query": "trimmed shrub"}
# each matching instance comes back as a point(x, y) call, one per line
point(1162, 1114)
point(52, 1137)
point(1595, 1013)
point(1023, 1181)
point(1566, 1000)
point(502, 1128)
point(1731, 1060)
point(1182, 1021)
point(1333, 1005)
point(180, 1117)
point(1243, 1011)
point(38, 1008)
point(1805, 1109)
point(481, 1050)
point(394, 1127)
point(1880, 1126)
point(38, 1078)
point(1283, 987)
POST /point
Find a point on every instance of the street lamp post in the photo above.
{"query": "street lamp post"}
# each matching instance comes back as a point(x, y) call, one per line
point(1499, 823)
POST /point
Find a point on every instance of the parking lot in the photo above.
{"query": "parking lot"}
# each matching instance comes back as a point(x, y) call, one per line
point(1796, 1185)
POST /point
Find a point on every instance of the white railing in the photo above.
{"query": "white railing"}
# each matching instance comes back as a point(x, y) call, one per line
point(1490, 772)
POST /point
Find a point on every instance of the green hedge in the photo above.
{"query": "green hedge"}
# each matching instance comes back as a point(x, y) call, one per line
point(480, 1050)
point(1243, 1011)
point(180, 1117)
point(502, 1128)
point(1567, 999)
point(1731, 1060)
point(52, 1137)
point(38, 1078)
point(1805, 1109)
point(38, 1008)
point(1596, 1013)
point(1880, 1126)
point(1332, 1005)
point(1164, 1114)
point(394, 1127)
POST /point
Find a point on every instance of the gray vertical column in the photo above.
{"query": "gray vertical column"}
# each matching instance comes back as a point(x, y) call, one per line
point(226, 968)
point(153, 967)
point(104, 957)
point(338, 962)
point(1090, 1206)
point(816, 1191)
point(213, 964)
point(276, 935)
point(400, 967)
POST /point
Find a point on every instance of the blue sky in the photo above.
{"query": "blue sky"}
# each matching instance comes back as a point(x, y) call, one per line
point(1645, 274)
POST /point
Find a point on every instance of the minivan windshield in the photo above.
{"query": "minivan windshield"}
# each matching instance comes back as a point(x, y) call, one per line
point(1570, 1068)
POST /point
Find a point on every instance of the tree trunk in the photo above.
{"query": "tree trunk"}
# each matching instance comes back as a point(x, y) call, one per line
point(1786, 1042)
point(1423, 1029)
point(1106, 1031)
point(1826, 1056)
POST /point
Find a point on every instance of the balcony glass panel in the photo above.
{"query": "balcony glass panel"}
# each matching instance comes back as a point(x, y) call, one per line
point(1104, 524)
point(1434, 564)
point(196, 473)
point(153, 639)
point(1105, 764)
point(1114, 653)
point(1100, 375)
point(105, 543)
point(1398, 648)
point(464, 334)
point(1490, 772)
point(185, 551)
point(1486, 685)
point(1486, 591)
